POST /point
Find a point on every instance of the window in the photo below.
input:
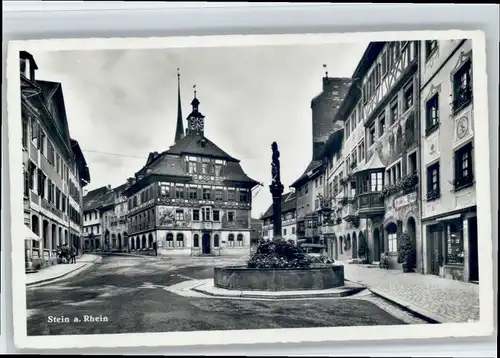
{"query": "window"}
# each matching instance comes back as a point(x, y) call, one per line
point(376, 181)
point(430, 48)
point(219, 195)
point(179, 215)
point(306, 189)
point(25, 133)
point(170, 240)
point(196, 215)
point(204, 168)
point(230, 216)
point(41, 183)
point(384, 63)
point(192, 167)
point(216, 240)
point(462, 87)
point(34, 132)
point(408, 97)
point(371, 134)
point(381, 123)
point(205, 214)
point(196, 240)
point(243, 196)
point(393, 242)
point(432, 114)
point(231, 196)
point(239, 240)
point(362, 150)
point(394, 112)
point(463, 167)
point(347, 129)
point(293, 230)
point(216, 215)
point(230, 240)
point(180, 240)
point(433, 187)
point(218, 170)
point(412, 163)
point(179, 192)
point(206, 194)
point(26, 184)
point(41, 144)
point(193, 193)
point(31, 175)
point(454, 244)
point(51, 155)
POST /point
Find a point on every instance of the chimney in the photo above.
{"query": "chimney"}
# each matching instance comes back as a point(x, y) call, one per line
point(109, 187)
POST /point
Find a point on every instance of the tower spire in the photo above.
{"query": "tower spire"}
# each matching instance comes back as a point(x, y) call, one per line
point(179, 130)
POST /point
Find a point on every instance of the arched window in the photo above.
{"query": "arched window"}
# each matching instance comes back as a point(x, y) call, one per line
point(230, 240)
point(216, 240)
point(170, 240)
point(392, 237)
point(196, 240)
point(239, 240)
point(180, 240)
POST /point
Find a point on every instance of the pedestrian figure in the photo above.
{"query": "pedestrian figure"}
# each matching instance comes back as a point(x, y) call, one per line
point(73, 255)
point(155, 248)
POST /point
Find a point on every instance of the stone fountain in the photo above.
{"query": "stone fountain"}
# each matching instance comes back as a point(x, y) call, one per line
point(278, 265)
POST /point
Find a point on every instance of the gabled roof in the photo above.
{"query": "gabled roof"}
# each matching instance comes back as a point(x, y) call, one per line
point(198, 145)
point(311, 169)
point(375, 163)
point(95, 198)
point(288, 203)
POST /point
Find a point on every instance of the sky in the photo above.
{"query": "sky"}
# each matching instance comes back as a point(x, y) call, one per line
point(122, 104)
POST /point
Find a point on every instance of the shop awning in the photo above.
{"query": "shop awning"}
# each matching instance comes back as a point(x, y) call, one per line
point(30, 235)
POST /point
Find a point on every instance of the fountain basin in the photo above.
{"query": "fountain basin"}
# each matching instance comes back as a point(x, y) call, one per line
point(318, 277)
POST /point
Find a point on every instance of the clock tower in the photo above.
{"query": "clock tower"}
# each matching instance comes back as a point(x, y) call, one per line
point(196, 120)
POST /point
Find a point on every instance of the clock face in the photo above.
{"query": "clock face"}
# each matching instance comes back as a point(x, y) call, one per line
point(200, 124)
point(192, 123)
point(462, 127)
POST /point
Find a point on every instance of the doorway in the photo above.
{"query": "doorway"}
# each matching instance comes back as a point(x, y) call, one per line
point(376, 245)
point(205, 243)
point(412, 231)
point(473, 251)
point(435, 248)
point(354, 246)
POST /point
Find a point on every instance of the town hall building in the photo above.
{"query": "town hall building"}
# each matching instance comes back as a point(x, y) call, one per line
point(192, 199)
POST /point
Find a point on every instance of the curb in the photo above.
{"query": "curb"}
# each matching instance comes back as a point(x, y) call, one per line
point(346, 293)
point(47, 280)
point(415, 310)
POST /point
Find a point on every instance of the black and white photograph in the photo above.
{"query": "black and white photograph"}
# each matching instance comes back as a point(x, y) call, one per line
point(249, 189)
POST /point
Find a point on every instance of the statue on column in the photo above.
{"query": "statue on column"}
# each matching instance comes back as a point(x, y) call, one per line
point(276, 189)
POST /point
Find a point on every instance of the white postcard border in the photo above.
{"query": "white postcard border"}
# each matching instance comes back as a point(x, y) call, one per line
point(482, 328)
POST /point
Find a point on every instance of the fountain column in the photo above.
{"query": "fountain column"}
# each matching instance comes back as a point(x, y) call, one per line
point(276, 189)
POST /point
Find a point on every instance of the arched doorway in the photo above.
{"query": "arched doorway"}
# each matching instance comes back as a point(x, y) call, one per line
point(125, 240)
point(113, 241)
point(411, 228)
point(376, 244)
point(150, 240)
point(35, 227)
point(137, 243)
point(143, 241)
point(132, 243)
point(335, 249)
point(66, 238)
point(45, 235)
point(205, 243)
point(347, 243)
point(354, 246)
point(196, 240)
point(119, 242)
point(60, 236)
point(341, 245)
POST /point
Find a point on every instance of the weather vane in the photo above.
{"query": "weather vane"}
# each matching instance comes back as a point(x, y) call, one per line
point(194, 88)
point(326, 70)
point(178, 74)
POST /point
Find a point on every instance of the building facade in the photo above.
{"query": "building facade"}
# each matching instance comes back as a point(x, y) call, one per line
point(288, 219)
point(55, 170)
point(92, 218)
point(192, 199)
point(449, 232)
point(309, 187)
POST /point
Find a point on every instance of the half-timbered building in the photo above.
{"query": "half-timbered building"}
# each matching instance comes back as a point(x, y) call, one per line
point(449, 216)
point(382, 170)
point(192, 199)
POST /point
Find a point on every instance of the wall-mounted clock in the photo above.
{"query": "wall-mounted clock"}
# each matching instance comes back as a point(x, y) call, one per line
point(462, 127)
point(192, 123)
point(200, 124)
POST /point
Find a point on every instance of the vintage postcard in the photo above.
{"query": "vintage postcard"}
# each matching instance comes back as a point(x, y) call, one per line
point(249, 189)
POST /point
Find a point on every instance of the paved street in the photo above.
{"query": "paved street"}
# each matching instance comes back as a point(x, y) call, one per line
point(453, 301)
point(126, 295)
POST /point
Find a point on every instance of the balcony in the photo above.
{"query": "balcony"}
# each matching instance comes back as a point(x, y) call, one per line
point(371, 204)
